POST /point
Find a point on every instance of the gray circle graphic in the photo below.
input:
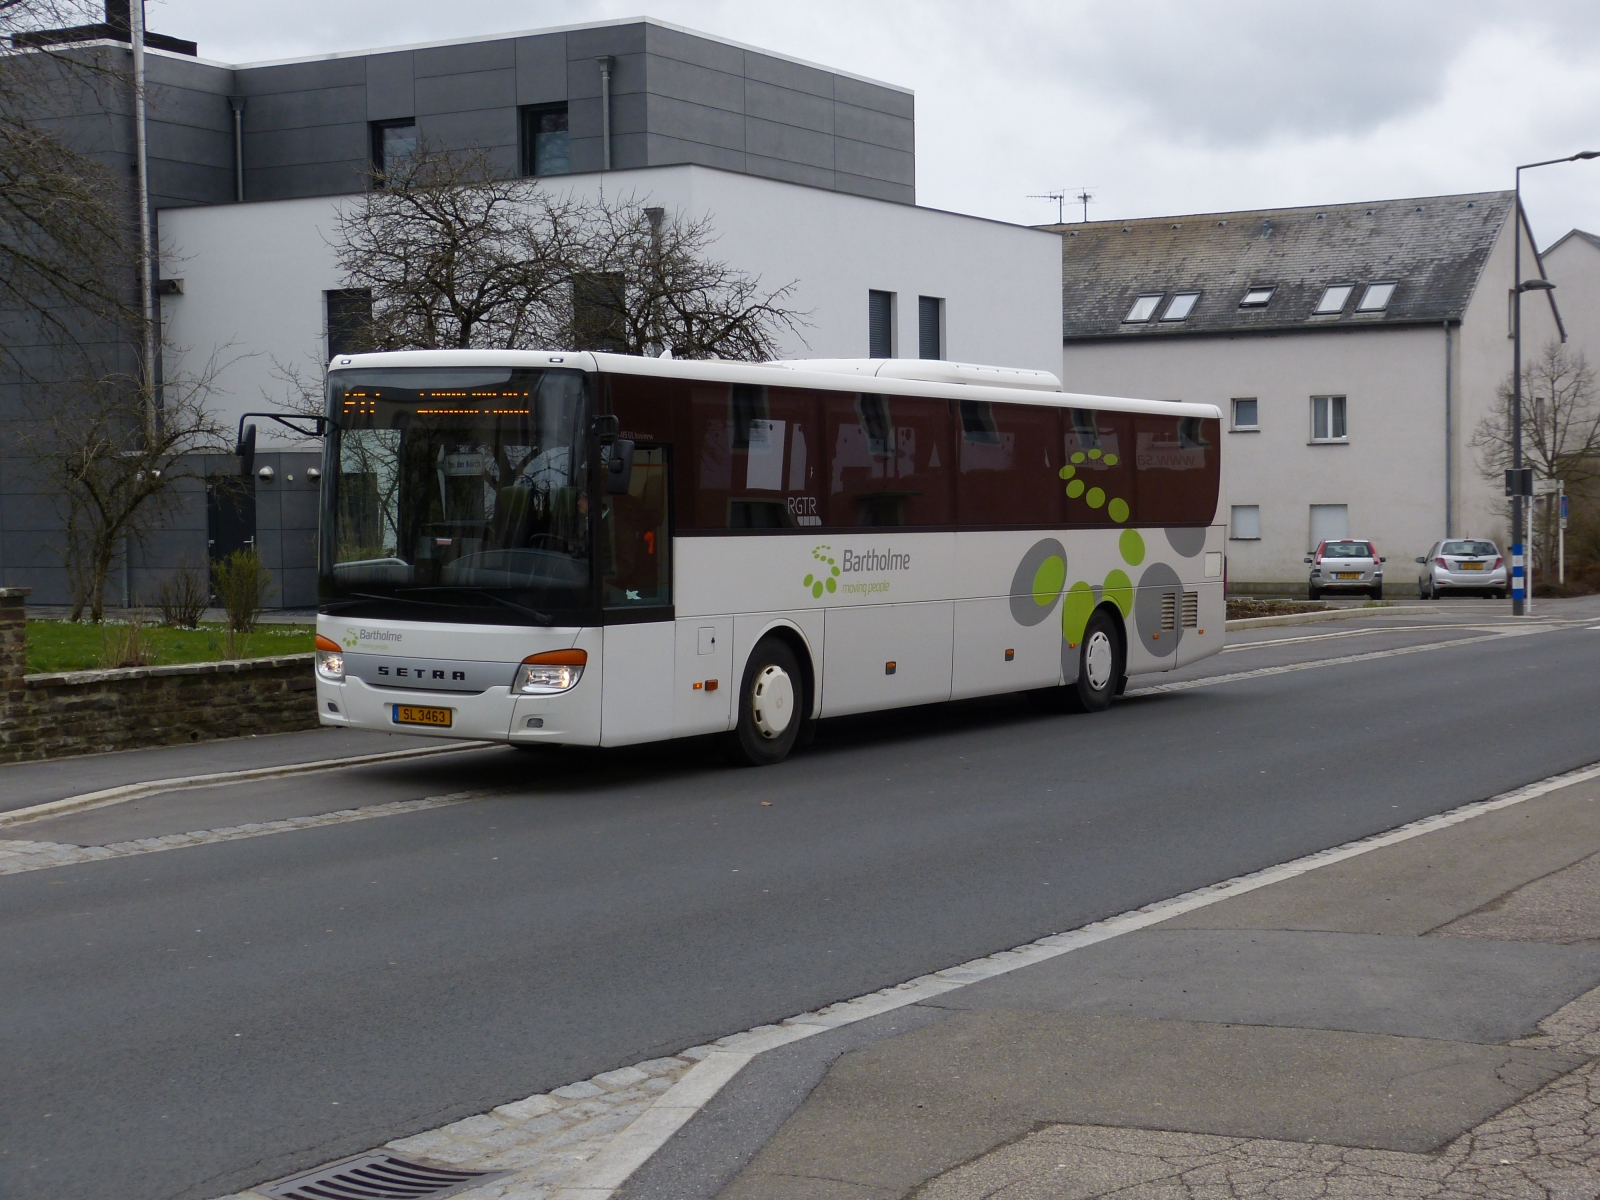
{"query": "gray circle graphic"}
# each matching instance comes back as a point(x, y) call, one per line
point(1187, 542)
point(1157, 582)
point(1024, 609)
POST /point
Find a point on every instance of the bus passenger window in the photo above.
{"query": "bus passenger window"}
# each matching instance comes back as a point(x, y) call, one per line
point(1178, 470)
point(891, 461)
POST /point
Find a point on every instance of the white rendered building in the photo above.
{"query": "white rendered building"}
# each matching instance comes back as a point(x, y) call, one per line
point(1353, 348)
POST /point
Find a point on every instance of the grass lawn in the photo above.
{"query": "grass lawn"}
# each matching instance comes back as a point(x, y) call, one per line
point(64, 646)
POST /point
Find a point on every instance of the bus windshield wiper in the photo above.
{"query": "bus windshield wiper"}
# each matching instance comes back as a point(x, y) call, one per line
point(542, 618)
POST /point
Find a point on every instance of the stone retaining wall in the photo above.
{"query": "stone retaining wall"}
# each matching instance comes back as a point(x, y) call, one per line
point(84, 712)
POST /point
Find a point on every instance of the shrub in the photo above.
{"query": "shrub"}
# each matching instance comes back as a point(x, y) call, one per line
point(183, 599)
point(242, 585)
point(126, 645)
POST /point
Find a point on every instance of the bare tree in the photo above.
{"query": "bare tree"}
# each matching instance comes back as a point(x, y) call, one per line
point(455, 258)
point(115, 475)
point(1560, 427)
point(646, 283)
point(66, 223)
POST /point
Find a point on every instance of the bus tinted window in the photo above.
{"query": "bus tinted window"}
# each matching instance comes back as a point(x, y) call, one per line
point(754, 458)
point(1009, 463)
point(890, 461)
point(1097, 472)
point(1177, 469)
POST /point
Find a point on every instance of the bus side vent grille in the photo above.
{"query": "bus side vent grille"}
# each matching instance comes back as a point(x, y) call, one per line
point(1169, 611)
point(378, 1177)
point(1191, 610)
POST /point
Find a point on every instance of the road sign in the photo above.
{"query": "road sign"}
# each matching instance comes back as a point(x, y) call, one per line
point(1547, 487)
point(1519, 481)
point(1563, 510)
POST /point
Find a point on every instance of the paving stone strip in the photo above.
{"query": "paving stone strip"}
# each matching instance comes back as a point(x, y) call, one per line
point(1545, 1146)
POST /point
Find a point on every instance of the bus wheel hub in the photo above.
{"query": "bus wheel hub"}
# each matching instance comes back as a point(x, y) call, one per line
point(772, 701)
point(1097, 659)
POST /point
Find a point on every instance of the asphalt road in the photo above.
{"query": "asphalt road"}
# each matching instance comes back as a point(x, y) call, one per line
point(188, 1023)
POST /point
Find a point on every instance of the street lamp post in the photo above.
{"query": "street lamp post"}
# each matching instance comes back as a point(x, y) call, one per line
point(1518, 569)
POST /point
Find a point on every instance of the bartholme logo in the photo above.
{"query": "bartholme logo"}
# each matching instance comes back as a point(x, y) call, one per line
point(355, 638)
point(876, 560)
point(826, 577)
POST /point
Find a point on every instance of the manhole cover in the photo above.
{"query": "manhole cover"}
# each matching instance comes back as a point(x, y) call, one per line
point(378, 1177)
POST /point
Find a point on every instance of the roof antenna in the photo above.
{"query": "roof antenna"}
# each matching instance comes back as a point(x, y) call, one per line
point(1083, 197)
point(1059, 197)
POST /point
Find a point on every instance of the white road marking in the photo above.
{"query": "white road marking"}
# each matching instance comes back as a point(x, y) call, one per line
point(1184, 685)
point(154, 787)
point(18, 856)
point(1467, 627)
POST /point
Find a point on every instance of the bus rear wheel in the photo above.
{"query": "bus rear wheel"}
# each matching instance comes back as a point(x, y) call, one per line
point(1100, 666)
point(770, 701)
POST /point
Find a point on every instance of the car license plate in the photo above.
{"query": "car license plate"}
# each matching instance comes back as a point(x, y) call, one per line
point(410, 714)
point(1469, 566)
point(1349, 575)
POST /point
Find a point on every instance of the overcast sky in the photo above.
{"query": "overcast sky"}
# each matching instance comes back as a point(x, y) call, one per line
point(1156, 106)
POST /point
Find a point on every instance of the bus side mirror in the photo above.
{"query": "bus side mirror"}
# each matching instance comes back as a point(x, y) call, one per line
point(246, 450)
point(619, 468)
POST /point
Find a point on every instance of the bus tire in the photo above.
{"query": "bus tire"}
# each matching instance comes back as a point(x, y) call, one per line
point(1101, 665)
point(771, 697)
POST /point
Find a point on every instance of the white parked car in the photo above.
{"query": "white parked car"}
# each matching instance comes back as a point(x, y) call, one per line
point(1346, 565)
point(1462, 565)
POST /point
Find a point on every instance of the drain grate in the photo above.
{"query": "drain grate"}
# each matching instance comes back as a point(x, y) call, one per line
point(378, 1177)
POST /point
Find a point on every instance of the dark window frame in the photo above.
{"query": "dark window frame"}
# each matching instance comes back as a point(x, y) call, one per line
point(377, 128)
point(880, 323)
point(528, 134)
point(930, 327)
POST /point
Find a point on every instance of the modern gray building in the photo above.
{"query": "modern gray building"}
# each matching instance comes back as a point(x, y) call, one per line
point(613, 95)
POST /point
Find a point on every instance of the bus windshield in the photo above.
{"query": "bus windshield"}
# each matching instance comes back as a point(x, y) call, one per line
point(457, 488)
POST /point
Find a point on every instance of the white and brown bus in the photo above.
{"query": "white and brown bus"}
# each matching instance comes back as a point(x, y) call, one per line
point(596, 549)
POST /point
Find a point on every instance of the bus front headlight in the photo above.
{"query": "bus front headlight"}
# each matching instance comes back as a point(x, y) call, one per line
point(551, 672)
point(330, 660)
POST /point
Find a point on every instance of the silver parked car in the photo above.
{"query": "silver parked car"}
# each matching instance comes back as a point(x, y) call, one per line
point(1346, 565)
point(1462, 565)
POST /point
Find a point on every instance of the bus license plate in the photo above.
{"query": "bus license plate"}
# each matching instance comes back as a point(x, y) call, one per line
point(1469, 566)
point(408, 714)
point(1349, 574)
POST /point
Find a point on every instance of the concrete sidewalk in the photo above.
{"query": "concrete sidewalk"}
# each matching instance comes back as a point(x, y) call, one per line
point(1422, 1020)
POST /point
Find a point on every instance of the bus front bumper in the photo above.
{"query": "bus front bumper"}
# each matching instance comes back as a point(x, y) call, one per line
point(567, 718)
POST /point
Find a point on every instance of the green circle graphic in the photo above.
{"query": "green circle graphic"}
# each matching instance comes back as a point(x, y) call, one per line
point(1068, 472)
point(1131, 543)
point(1095, 498)
point(1047, 580)
point(1110, 460)
point(1119, 590)
point(1076, 610)
point(1075, 488)
point(1078, 457)
point(831, 584)
point(1118, 510)
point(816, 589)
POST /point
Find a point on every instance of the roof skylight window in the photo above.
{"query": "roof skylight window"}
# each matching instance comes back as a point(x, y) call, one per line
point(1334, 298)
point(1144, 307)
point(1257, 297)
point(1182, 305)
point(1376, 297)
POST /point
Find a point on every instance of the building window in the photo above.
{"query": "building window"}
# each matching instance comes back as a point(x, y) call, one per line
point(347, 314)
point(1246, 523)
point(1144, 307)
point(392, 143)
point(1181, 306)
point(1245, 413)
point(1327, 419)
point(1376, 297)
point(1257, 297)
point(1334, 298)
point(546, 149)
point(930, 327)
point(599, 312)
point(1329, 523)
point(880, 324)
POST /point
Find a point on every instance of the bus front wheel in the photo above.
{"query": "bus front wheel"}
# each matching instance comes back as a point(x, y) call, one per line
point(770, 699)
point(1100, 665)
